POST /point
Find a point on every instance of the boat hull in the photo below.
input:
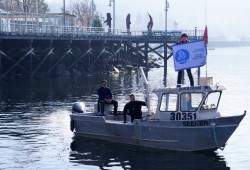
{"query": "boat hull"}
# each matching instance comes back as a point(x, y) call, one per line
point(209, 134)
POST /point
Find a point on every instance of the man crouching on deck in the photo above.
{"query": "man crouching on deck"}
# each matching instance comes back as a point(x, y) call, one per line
point(133, 108)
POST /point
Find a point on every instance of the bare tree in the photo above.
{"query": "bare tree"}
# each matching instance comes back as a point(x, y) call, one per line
point(28, 6)
point(8, 5)
point(81, 9)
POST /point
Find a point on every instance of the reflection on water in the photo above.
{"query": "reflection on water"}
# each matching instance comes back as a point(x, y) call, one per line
point(36, 95)
point(108, 155)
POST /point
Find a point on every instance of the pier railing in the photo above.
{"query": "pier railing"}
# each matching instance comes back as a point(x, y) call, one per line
point(51, 24)
point(75, 31)
point(51, 30)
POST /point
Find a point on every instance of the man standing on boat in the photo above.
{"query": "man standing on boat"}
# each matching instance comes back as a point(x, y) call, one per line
point(184, 39)
point(133, 108)
point(105, 97)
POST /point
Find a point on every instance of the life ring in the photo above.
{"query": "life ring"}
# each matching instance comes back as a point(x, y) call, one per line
point(72, 125)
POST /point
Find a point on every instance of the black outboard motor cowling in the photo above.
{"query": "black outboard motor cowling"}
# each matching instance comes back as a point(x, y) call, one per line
point(78, 107)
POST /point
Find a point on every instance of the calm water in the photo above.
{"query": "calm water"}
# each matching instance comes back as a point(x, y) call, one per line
point(34, 121)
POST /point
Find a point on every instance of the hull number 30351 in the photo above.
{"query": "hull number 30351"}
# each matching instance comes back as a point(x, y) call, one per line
point(183, 116)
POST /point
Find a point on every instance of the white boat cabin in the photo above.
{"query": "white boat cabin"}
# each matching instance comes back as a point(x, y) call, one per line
point(188, 103)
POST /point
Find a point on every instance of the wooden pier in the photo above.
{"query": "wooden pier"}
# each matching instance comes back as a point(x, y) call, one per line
point(38, 53)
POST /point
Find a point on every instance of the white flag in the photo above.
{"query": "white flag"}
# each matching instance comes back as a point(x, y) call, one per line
point(189, 55)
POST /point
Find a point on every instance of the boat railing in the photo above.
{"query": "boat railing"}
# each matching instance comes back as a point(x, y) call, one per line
point(145, 88)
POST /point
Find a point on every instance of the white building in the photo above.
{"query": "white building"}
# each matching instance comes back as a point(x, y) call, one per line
point(23, 22)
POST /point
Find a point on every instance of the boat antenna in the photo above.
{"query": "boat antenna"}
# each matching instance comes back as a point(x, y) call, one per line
point(205, 12)
point(206, 25)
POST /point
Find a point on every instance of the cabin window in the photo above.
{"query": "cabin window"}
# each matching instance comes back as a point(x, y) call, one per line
point(190, 101)
point(211, 101)
point(169, 102)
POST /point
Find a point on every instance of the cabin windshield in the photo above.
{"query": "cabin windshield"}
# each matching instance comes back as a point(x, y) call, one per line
point(212, 101)
point(190, 101)
point(169, 102)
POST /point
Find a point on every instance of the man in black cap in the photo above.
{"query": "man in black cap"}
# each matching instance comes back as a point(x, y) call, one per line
point(133, 108)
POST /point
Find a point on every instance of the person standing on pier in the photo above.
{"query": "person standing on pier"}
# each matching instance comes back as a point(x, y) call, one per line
point(105, 97)
point(184, 39)
point(128, 23)
point(133, 108)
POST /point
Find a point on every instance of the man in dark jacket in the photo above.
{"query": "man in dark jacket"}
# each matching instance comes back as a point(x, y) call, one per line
point(133, 108)
point(105, 97)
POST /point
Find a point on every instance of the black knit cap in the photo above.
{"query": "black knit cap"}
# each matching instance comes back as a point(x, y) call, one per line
point(184, 35)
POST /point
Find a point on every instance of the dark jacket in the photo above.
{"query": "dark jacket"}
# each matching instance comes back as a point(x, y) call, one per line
point(104, 93)
point(181, 42)
point(133, 108)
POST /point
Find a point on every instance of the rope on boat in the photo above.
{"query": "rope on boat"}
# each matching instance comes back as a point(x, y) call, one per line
point(215, 139)
point(145, 118)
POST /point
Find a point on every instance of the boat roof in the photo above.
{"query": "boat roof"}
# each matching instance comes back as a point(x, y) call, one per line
point(209, 88)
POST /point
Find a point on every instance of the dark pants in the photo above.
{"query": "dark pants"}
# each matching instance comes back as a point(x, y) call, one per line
point(102, 103)
point(135, 117)
point(190, 76)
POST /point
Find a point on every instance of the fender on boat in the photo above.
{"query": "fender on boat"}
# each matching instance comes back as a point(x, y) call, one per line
point(72, 125)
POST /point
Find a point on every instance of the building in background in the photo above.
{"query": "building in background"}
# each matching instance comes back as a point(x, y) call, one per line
point(21, 22)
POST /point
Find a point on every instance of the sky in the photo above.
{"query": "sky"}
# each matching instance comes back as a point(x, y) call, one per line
point(223, 17)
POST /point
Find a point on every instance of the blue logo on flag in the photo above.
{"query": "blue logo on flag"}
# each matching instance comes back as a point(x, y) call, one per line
point(182, 56)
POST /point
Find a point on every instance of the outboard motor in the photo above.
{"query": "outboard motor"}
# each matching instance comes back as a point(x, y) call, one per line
point(78, 107)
